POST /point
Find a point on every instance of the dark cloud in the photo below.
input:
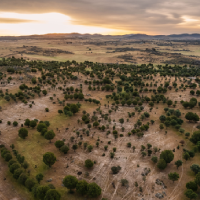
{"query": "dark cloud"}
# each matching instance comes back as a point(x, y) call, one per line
point(135, 15)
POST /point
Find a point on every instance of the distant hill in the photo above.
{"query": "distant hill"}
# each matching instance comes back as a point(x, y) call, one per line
point(185, 36)
point(53, 36)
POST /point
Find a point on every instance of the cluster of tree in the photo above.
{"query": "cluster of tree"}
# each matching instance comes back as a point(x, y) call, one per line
point(42, 128)
point(192, 186)
point(166, 157)
point(71, 108)
point(61, 146)
point(192, 116)
point(83, 188)
point(76, 96)
point(172, 118)
point(191, 104)
point(18, 169)
point(93, 100)
point(99, 82)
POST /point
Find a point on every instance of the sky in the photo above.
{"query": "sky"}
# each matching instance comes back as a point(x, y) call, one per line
point(152, 17)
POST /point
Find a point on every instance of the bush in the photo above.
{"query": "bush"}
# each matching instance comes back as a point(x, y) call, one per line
point(154, 159)
point(115, 170)
point(15, 123)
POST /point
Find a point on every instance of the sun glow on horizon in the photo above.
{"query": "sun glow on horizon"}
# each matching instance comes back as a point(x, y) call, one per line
point(45, 23)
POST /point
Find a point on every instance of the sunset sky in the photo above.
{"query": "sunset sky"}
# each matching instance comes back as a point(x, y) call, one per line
point(153, 17)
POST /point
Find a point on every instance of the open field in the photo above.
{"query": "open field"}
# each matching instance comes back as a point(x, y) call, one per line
point(122, 102)
point(103, 50)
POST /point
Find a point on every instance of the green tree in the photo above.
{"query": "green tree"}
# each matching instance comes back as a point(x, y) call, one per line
point(41, 191)
point(74, 108)
point(161, 126)
point(29, 183)
point(167, 155)
point(186, 156)
point(74, 147)
point(192, 185)
point(52, 194)
point(121, 121)
point(195, 137)
point(81, 187)
point(39, 177)
point(154, 159)
point(195, 168)
point(64, 149)
point(40, 126)
point(95, 124)
point(27, 122)
point(89, 163)
point(178, 163)
point(33, 123)
point(70, 182)
point(49, 158)
point(44, 92)
point(59, 144)
point(7, 157)
point(173, 176)
point(49, 135)
point(162, 118)
point(60, 111)
point(17, 173)
point(23, 133)
point(192, 116)
point(22, 178)
point(190, 194)
point(13, 167)
point(93, 190)
point(90, 147)
point(162, 164)
point(197, 179)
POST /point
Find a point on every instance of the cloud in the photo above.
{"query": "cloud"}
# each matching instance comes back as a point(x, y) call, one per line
point(15, 21)
point(155, 16)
